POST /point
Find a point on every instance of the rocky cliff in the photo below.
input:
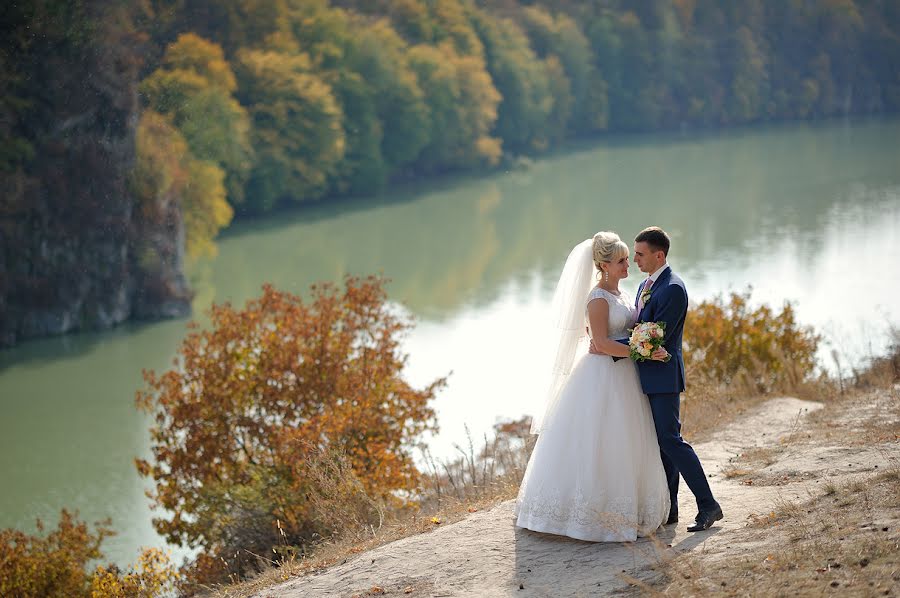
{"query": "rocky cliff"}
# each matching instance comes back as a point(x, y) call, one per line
point(76, 251)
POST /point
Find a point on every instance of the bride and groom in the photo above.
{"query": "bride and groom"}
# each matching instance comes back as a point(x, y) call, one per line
point(606, 464)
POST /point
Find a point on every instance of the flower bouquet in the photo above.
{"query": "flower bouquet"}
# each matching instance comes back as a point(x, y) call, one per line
point(646, 338)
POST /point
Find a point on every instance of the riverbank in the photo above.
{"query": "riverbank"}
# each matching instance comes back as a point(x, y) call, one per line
point(768, 470)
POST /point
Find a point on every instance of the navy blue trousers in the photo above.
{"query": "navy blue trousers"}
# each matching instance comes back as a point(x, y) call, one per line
point(677, 455)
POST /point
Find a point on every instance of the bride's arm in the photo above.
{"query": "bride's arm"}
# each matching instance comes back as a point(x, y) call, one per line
point(598, 314)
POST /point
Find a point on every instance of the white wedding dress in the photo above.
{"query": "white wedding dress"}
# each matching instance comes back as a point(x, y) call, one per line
point(595, 473)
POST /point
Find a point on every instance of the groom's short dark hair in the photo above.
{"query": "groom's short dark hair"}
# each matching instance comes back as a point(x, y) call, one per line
point(656, 238)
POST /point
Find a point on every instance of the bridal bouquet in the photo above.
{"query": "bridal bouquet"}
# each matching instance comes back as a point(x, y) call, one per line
point(646, 338)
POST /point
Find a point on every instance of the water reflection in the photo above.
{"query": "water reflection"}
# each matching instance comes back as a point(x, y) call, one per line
point(463, 243)
point(70, 431)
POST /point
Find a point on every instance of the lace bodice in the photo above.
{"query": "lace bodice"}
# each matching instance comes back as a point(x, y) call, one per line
point(622, 313)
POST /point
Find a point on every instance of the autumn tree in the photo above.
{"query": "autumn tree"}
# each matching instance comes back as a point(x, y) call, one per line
point(168, 177)
point(253, 398)
point(393, 68)
point(195, 86)
point(451, 25)
point(193, 144)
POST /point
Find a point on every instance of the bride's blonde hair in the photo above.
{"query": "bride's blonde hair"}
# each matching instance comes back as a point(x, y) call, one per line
point(608, 247)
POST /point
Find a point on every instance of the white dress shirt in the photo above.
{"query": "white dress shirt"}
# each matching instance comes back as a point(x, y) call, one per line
point(655, 276)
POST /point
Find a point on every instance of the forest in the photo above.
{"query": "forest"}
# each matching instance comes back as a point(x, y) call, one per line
point(134, 132)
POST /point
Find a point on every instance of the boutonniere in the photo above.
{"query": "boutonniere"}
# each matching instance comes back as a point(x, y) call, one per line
point(645, 296)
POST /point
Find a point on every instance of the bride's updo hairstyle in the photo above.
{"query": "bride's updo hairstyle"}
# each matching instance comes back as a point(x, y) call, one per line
point(608, 247)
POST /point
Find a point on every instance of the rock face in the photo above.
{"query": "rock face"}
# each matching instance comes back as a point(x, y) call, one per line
point(75, 251)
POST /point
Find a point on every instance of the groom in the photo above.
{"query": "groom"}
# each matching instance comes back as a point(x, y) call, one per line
point(663, 298)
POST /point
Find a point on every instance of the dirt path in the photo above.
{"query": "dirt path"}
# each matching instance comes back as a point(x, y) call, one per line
point(485, 555)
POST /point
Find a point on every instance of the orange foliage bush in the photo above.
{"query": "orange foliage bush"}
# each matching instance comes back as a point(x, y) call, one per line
point(729, 341)
point(152, 576)
point(251, 401)
point(56, 565)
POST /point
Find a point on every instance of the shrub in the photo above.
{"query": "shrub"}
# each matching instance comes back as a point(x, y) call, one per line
point(728, 341)
point(57, 565)
point(251, 402)
point(152, 576)
point(880, 371)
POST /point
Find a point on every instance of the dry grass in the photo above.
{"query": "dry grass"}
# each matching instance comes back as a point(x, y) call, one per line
point(707, 407)
point(750, 465)
point(452, 489)
point(845, 539)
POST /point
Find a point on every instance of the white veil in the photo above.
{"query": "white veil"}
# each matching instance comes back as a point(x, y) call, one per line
point(575, 282)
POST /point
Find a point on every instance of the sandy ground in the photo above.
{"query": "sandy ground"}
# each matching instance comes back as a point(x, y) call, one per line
point(486, 555)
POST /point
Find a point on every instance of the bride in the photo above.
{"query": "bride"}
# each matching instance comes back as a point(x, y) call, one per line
point(595, 473)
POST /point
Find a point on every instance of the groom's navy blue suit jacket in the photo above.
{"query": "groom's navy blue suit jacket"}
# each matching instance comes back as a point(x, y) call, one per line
point(667, 303)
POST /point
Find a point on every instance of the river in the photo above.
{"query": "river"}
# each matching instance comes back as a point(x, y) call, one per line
point(808, 213)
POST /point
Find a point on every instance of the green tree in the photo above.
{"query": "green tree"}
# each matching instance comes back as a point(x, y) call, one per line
point(233, 25)
point(463, 109)
point(748, 89)
point(326, 36)
point(560, 36)
point(523, 83)
point(450, 23)
point(385, 118)
point(195, 85)
point(607, 45)
point(638, 102)
point(410, 17)
point(297, 132)
point(381, 57)
point(563, 99)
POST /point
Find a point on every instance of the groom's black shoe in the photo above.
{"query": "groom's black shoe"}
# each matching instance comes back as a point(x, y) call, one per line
point(673, 515)
point(705, 519)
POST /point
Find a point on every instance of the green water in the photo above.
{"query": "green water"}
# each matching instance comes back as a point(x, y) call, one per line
point(807, 213)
